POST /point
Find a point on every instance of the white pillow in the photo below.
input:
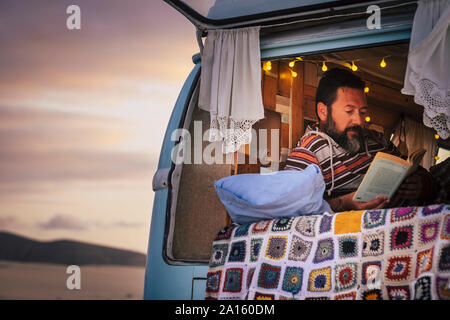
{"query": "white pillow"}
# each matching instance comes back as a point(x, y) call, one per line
point(250, 198)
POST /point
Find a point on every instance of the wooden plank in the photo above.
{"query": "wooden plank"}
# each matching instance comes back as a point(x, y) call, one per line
point(284, 135)
point(271, 120)
point(297, 97)
point(272, 72)
point(384, 93)
point(383, 116)
point(269, 92)
point(283, 105)
point(309, 109)
point(285, 101)
point(284, 80)
point(310, 91)
point(310, 74)
point(282, 109)
point(247, 167)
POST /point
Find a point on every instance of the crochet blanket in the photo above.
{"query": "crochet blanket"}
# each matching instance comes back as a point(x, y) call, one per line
point(400, 253)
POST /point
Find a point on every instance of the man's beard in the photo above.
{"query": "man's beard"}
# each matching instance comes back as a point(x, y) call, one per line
point(353, 144)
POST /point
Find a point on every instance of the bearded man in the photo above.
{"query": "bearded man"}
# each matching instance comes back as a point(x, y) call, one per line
point(344, 149)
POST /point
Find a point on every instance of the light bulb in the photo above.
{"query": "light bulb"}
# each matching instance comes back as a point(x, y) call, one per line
point(269, 65)
point(294, 74)
point(383, 63)
point(324, 67)
point(354, 67)
point(291, 64)
point(366, 90)
point(436, 158)
point(436, 136)
point(367, 119)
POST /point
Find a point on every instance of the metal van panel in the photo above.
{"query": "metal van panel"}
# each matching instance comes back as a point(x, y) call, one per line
point(349, 41)
point(164, 281)
point(175, 179)
point(346, 35)
point(175, 122)
point(278, 13)
point(199, 279)
point(198, 289)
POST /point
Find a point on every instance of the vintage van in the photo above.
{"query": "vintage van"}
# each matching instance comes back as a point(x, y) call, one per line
point(316, 34)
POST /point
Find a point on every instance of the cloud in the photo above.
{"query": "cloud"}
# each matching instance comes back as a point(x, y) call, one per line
point(83, 112)
point(127, 225)
point(114, 38)
point(121, 63)
point(74, 223)
point(118, 225)
point(65, 222)
point(50, 146)
point(7, 222)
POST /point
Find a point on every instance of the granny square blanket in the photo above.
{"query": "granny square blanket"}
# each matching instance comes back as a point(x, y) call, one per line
point(386, 254)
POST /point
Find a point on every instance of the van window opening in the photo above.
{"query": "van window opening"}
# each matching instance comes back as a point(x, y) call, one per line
point(442, 154)
point(288, 89)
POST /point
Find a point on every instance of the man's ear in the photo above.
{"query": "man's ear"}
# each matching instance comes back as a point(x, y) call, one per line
point(322, 111)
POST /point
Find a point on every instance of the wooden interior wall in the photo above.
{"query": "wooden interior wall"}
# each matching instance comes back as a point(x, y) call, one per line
point(283, 94)
point(272, 120)
point(310, 88)
point(294, 99)
point(386, 104)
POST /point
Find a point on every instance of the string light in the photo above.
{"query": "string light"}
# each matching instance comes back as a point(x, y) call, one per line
point(366, 90)
point(367, 119)
point(267, 66)
point(436, 158)
point(436, 136)
point(292, 63)
point(294, 74)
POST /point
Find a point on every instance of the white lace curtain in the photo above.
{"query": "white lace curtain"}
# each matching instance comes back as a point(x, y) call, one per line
point(415, 135)
point(427, 75)
point(230, 85)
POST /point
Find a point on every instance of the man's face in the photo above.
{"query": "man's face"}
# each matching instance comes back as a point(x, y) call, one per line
point(346, 119)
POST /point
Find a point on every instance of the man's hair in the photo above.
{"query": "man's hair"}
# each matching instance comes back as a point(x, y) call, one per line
point(331, 81)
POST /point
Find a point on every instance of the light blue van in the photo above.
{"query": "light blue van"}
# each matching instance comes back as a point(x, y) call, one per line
point(187, 214)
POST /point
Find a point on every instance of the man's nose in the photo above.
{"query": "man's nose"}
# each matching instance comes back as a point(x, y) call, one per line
point(357, 119)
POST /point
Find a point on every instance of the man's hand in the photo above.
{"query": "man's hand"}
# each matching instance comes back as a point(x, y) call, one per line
point(349, 204)
point(411, 188)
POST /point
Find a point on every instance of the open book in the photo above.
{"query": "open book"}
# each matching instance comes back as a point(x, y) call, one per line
point(385, 174)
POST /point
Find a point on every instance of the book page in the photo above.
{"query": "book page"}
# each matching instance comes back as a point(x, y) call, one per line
point(382, 179)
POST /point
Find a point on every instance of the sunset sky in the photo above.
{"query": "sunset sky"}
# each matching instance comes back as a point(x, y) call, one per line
point(83, 115)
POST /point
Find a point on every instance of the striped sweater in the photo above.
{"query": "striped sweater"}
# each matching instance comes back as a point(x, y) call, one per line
point(348, 169)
